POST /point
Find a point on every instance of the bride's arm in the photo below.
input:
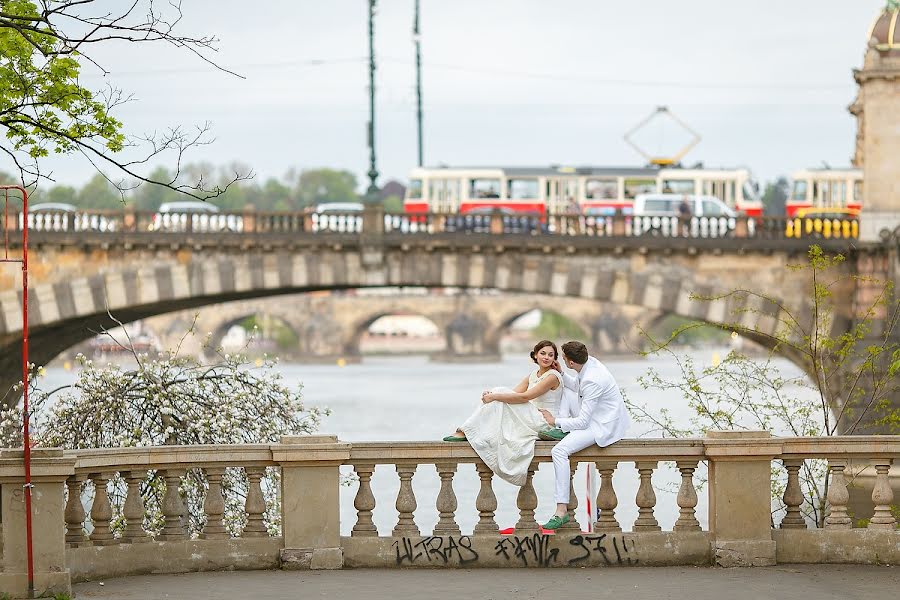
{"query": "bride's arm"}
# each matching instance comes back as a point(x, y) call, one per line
point(521, 397)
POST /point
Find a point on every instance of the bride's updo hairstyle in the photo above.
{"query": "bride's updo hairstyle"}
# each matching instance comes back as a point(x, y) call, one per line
point(543, 344)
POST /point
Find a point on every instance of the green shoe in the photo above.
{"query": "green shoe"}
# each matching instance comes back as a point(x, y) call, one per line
point(556, 522)
point(552, 435)
point(455, 438)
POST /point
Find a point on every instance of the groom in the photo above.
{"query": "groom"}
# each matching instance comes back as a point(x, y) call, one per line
point(602, 420)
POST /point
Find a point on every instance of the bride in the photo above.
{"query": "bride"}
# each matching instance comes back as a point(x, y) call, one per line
point(503, 429)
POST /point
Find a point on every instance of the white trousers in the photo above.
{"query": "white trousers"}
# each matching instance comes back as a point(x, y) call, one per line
point(569, 445)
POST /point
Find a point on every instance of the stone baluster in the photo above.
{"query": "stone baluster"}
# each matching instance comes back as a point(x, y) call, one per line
point(214, 506)
point(255, 504)
point(573, 524)
point(172, 507)
point(793, 496)
point(526, 501)
point(838, 496)
point(687, 497)
point(446, 501)
point(606, 499)
point(74, 513)
point(133, 509)
point(882, 497)
point(646, 498)
point(101, 511)
point(364, 503)
point(485, 502)
point(406, 503)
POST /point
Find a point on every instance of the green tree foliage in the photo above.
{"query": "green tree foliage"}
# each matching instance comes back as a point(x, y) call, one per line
point(849, 385)
point(45, 108)
point(554, 326)
point(99, 193)
point(320, 186)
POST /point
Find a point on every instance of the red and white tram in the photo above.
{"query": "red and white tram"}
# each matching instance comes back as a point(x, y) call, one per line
point(837, 190)
point(559, 190)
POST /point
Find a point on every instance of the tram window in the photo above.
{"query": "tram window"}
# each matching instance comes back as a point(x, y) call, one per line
point(678, 186)
point(415, 189)
point(633, 187)
point(601, 189)
point(800, 191)
point(523, 188)
point(484, 188)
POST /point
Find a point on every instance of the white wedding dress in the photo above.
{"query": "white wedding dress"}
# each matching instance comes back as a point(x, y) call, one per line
point(503, 434)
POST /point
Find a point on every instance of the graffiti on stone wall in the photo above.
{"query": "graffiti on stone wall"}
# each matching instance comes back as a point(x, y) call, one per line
point(433, 549)
point(526, 550)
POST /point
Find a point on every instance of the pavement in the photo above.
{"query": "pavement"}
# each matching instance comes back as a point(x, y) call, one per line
point(788, 582)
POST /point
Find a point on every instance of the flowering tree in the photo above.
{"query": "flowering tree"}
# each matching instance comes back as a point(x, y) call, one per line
point(171, 399)
point(849, 381)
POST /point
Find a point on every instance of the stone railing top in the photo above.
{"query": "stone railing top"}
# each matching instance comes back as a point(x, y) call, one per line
point(301, 450)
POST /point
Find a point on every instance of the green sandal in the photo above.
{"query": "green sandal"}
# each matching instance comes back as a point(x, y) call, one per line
point(556, 522)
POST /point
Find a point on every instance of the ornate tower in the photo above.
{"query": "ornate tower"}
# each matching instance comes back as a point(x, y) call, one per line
point(877, 109)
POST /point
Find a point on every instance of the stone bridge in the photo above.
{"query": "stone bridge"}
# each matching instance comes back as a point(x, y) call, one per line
point(330, 327)
point(76, 277)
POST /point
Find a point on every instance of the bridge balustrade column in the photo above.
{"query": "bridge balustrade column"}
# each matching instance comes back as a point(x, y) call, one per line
point(606, 499)
point(214, 505)
point(646, 498)
point(838, 496)
point(740, 496)
point(74, 512)
point(133, 509)
point(485, 502)
point(446, 501)
point(101, 512)
point(687, 497)
point(310, 500)
point(364, 503)
point(406, 503)
point(255, 504)
point(571, 509)
point(526, 501)
point(793, 496)
point(882, 497)
point(173, 507)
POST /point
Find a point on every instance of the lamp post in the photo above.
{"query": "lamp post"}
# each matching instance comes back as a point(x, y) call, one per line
point(372, 190)
point(416, 38)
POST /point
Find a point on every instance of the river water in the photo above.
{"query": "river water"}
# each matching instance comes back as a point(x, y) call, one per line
point(410, 398)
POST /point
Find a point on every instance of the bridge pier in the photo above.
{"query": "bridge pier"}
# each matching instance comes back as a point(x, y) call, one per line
point(467, 341)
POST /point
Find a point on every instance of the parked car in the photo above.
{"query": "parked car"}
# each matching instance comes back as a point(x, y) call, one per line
point(60, 216)
point(824, 223)
point(660, 214)
point(340, 217)
point(195, 216)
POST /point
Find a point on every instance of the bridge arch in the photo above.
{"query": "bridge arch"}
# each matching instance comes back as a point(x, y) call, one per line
point(66, 304)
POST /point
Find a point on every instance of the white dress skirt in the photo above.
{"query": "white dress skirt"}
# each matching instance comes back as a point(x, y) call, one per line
point(503, 434)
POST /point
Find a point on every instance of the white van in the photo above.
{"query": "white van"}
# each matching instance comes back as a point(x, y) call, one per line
point(196, 216)
point(666, 205)
point(659, 214)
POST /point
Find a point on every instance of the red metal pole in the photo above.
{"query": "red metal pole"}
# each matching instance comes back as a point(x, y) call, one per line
point(26, 439)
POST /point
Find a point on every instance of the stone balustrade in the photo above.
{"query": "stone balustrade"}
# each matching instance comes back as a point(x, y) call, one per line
point(81, 535)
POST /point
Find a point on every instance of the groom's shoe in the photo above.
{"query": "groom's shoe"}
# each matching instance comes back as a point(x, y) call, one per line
point(556, 522)
point(553, 435)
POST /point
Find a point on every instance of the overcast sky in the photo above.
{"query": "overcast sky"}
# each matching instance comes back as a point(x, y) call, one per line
point(509, 82)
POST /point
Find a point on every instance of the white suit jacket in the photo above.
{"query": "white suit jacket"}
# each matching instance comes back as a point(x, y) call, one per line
point(603, 410)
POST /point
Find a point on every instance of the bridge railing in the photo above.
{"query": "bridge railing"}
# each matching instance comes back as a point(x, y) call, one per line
point(352, 222)
point(297, 523)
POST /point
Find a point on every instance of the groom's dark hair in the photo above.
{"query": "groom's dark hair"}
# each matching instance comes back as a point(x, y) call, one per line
point(575, 351)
